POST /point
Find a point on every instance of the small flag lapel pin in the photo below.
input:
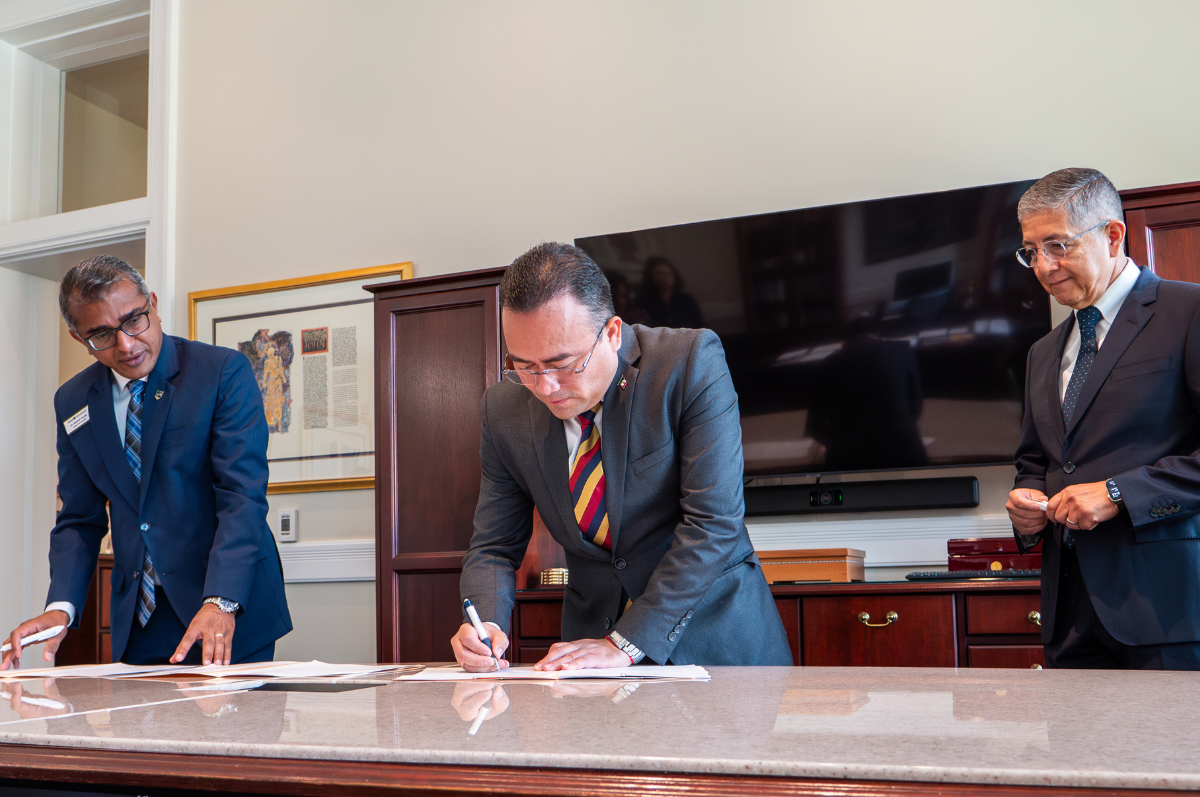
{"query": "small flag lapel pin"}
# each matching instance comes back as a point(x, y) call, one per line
point(623, 383)
point(158, 395)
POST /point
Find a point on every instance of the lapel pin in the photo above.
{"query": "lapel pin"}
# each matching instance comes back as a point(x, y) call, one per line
point(624, 382)
point(158, 395)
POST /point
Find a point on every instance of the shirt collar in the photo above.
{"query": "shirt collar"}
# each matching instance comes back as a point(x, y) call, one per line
point(123, 382)
point(1110, 303)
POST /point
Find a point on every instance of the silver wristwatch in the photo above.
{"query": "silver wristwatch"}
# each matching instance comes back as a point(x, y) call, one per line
point(625, 646)
point(229, 607)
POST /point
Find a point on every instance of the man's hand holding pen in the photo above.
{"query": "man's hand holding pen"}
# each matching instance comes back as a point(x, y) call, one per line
point(473, 653)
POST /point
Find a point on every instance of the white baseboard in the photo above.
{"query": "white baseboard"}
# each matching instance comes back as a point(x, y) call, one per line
point(888, 542)
point(331, 560)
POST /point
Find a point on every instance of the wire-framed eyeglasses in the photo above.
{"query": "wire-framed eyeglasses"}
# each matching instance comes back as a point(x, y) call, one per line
point(566, 375)
point(1053, 251)
point(107, 338)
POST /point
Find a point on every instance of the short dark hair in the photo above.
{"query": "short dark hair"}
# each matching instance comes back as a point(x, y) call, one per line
point(91, 280)
point(550, 270)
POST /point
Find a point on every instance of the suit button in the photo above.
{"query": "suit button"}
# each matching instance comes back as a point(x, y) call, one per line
point(145, 527)
point(607, 623)
point(688, 616)
point(678, 628)
point(137, 575)
point(671, 637)
point(1174, 507)
point(1069, 467)
point(619, 564)
point(684, 622)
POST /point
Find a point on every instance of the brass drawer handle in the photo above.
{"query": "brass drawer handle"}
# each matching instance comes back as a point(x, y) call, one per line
point(1035, 617)
point(1035, 666)
point(865, 619)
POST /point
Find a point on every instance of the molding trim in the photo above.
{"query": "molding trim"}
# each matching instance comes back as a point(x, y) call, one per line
point(888, 542)
point(333, 560)
point(65, 232)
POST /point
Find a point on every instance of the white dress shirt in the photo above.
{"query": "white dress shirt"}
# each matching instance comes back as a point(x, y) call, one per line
point(121, 397)
point(1109, 305)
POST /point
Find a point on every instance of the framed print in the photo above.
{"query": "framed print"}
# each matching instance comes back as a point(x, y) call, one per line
point(310, 341)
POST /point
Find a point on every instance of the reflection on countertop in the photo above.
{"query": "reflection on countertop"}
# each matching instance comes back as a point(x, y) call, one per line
point(984, 726)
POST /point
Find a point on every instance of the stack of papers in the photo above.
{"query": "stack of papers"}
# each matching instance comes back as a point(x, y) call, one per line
point(685, 672)
point(88, 671)
point(264, 669)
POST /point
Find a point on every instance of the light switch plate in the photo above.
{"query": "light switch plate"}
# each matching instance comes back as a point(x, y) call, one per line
point(289, 523)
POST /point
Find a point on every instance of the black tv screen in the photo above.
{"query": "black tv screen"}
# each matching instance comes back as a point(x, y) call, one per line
point(881, 335)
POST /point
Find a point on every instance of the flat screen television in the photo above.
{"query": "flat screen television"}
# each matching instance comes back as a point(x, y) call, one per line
point(881, 335)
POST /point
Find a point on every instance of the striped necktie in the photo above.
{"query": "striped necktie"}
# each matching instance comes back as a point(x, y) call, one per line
point(587, 482)
point(133, 453)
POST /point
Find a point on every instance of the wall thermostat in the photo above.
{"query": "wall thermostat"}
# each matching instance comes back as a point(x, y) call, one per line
point(288, 525)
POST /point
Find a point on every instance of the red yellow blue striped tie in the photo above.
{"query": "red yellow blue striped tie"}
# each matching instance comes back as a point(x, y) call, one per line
point(587, 483)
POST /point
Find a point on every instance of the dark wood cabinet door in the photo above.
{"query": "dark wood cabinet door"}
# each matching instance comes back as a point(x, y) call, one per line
point(921, 635)
point(1164, 229)
point(1004, 614)
point(437, 348)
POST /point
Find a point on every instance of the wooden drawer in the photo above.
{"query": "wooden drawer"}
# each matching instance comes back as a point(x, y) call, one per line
point(105, 647)
point(531, 655)
point(1019, 657)
point(922, 635)
point(105, 585)
point(1003, 614)
point(539, 620)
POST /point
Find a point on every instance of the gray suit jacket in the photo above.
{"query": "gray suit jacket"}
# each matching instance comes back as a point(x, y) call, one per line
point(672, 447)
point(1137, 421)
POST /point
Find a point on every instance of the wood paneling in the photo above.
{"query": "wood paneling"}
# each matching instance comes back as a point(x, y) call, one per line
point(1164, 229)
point(543, 553)
point(1006, 656)
point(922, 636)
point(542, 620)
point(531, 654)
point(437, 348)
point(789, 612)
point(1002, 614)
point(91, 643)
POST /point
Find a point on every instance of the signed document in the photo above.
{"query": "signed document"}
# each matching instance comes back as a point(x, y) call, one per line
point(687, 672)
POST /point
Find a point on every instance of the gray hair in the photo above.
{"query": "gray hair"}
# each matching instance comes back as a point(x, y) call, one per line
point(91, 281)
point(1085, 195)
point(550, 270)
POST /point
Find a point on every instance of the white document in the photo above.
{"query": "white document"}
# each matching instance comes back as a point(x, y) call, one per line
point(290, 669)
point(691, 672)
point(87, 671)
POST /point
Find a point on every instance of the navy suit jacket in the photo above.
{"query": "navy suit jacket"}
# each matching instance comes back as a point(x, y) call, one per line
point(671, 442)
point(1137, 421)
point(201, 506)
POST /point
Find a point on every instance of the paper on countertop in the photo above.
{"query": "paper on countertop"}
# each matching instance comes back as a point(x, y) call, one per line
point(88, 671)
point(692, 672)
point(290, 669)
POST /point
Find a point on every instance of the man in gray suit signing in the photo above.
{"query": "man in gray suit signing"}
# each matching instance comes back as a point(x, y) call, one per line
point(627, 441)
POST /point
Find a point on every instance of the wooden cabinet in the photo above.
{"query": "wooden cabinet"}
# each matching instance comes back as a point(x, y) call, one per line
point(938, 624)
point(1164, 229)
point(91, 643)
point(437, 348)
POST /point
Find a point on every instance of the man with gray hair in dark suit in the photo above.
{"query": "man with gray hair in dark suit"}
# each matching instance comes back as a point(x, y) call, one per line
point(627, 440)
point(1108, 467)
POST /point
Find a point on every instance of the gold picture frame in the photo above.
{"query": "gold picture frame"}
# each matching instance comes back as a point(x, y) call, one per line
point(207, 306)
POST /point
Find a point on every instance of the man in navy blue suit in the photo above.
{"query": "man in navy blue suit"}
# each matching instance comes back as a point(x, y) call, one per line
point(171, 435)
point(1108, 468)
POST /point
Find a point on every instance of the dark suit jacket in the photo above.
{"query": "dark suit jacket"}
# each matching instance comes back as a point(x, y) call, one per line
point(672, 448)
point(202, 498)
point(1137, 421)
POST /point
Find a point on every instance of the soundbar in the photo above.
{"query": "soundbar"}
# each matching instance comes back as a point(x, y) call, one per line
point(956, 492)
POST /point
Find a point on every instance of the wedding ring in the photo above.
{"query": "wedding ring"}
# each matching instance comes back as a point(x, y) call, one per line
point(224, 635)
point(1071, 522)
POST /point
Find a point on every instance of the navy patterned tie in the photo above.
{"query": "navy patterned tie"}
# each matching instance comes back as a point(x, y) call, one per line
point(1087, 318)
point(133, 453)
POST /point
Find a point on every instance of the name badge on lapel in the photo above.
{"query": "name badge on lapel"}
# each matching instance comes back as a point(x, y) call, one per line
point(77, 420)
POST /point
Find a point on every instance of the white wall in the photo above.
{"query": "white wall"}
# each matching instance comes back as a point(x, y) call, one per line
point(29, 362)
point(318, 135)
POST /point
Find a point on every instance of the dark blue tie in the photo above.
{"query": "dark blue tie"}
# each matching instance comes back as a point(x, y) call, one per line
point(133, 453)
point(1087, 318)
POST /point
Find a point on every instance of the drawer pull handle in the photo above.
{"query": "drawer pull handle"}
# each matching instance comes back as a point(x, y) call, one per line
point(865, 619)
point(1035, 666)
point(1035, 617)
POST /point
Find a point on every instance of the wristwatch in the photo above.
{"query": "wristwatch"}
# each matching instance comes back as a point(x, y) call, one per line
point(631, 650)
point(1114, 492)
point(229, 607)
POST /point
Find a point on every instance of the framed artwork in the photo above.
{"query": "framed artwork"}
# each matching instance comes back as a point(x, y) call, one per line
point(311, 343)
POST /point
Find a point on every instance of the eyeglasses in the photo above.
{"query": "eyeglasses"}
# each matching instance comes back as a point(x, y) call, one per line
point(567, 375)
point(107, 338)
point(1053, 251)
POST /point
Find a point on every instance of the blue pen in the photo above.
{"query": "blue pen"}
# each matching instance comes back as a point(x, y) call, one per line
point(474, 616)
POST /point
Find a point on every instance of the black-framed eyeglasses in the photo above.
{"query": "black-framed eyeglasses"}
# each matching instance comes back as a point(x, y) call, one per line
point(1053, 251)
point(107, 338)
point(567, 375)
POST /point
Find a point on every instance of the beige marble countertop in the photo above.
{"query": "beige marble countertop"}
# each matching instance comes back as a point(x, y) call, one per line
point(1068, 728)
